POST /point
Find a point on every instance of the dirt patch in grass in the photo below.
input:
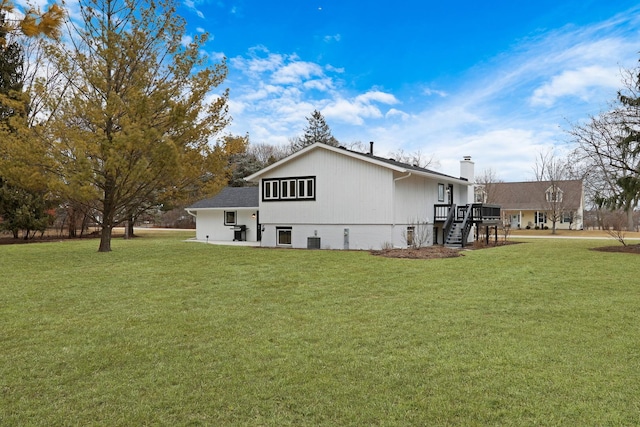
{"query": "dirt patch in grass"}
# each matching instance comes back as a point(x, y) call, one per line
point(431, 252)
point(629, 249)
point(436, 251)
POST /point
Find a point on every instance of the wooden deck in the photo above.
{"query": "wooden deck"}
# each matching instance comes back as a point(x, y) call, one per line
point(480, 213)
point(457, 221)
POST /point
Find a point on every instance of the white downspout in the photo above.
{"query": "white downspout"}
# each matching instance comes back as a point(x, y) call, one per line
point(393, 201)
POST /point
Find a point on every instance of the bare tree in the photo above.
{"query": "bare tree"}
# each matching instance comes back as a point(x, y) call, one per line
point(551, 170)
point(486, 190)
point(614, 225)
point(417, 234)
point(416, 158)
point(608, 164)
point(267, 154)
point(609, 147)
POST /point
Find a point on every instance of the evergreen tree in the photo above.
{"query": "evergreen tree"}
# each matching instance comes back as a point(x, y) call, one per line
point(317, 130)
point(20, 208)
point(242, 163)
point(11, 77)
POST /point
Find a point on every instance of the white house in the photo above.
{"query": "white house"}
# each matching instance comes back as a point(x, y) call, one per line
point(333, 198)
point(231, 215)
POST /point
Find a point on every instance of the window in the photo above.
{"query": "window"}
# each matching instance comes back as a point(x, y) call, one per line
point(306, 188)
point(302, 188)
point(270, 190)
point(541, 217)
point(288, 189)
point(229, 217)
point(554, 195)
point(479, 194)
point(441, 192)
point(567, 217)
point(283, 236)
point(410, 234)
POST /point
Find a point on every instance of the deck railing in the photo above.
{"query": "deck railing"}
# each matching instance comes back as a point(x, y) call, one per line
point(480, 212)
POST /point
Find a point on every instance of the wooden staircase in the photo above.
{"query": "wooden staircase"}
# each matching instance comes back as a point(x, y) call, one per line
point(458, 226)
point(454, 237)
point(458, 221)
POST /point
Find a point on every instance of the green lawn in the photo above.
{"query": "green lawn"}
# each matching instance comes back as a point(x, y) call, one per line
point(164, 332)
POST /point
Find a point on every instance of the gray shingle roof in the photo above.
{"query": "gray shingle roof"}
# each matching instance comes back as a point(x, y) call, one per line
point(230, 197)
point(531, 195)
point(403, 165)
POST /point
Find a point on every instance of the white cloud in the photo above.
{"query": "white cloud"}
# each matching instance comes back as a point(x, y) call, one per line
point(27, 4)
point(191, 5)
point(354, 111)
point(350, 112)
point(430, 92)
point(333, 38)
point(376, 96)
point(216, 56)
point(296, 72)
point(393, 113)
point(324, 84)
point(330, 68)
point(578, 83)
point(255, 64)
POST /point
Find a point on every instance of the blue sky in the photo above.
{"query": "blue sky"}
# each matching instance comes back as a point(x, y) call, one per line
point(500, 81)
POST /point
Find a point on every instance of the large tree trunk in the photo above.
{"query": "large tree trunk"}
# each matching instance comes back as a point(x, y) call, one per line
point(71, 213)
point(105, 238)
point(108, 212)
point(630, 224)
point(128, 229)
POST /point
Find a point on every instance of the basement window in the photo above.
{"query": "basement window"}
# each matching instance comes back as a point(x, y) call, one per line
point(284, 236)
point(410, 235)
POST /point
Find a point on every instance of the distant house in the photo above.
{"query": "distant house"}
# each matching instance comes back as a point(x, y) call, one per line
point(333, 198)
point(231, 215)
point(536, 203)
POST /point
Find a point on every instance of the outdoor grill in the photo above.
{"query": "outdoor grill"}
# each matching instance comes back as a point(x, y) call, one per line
point(240, 233)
